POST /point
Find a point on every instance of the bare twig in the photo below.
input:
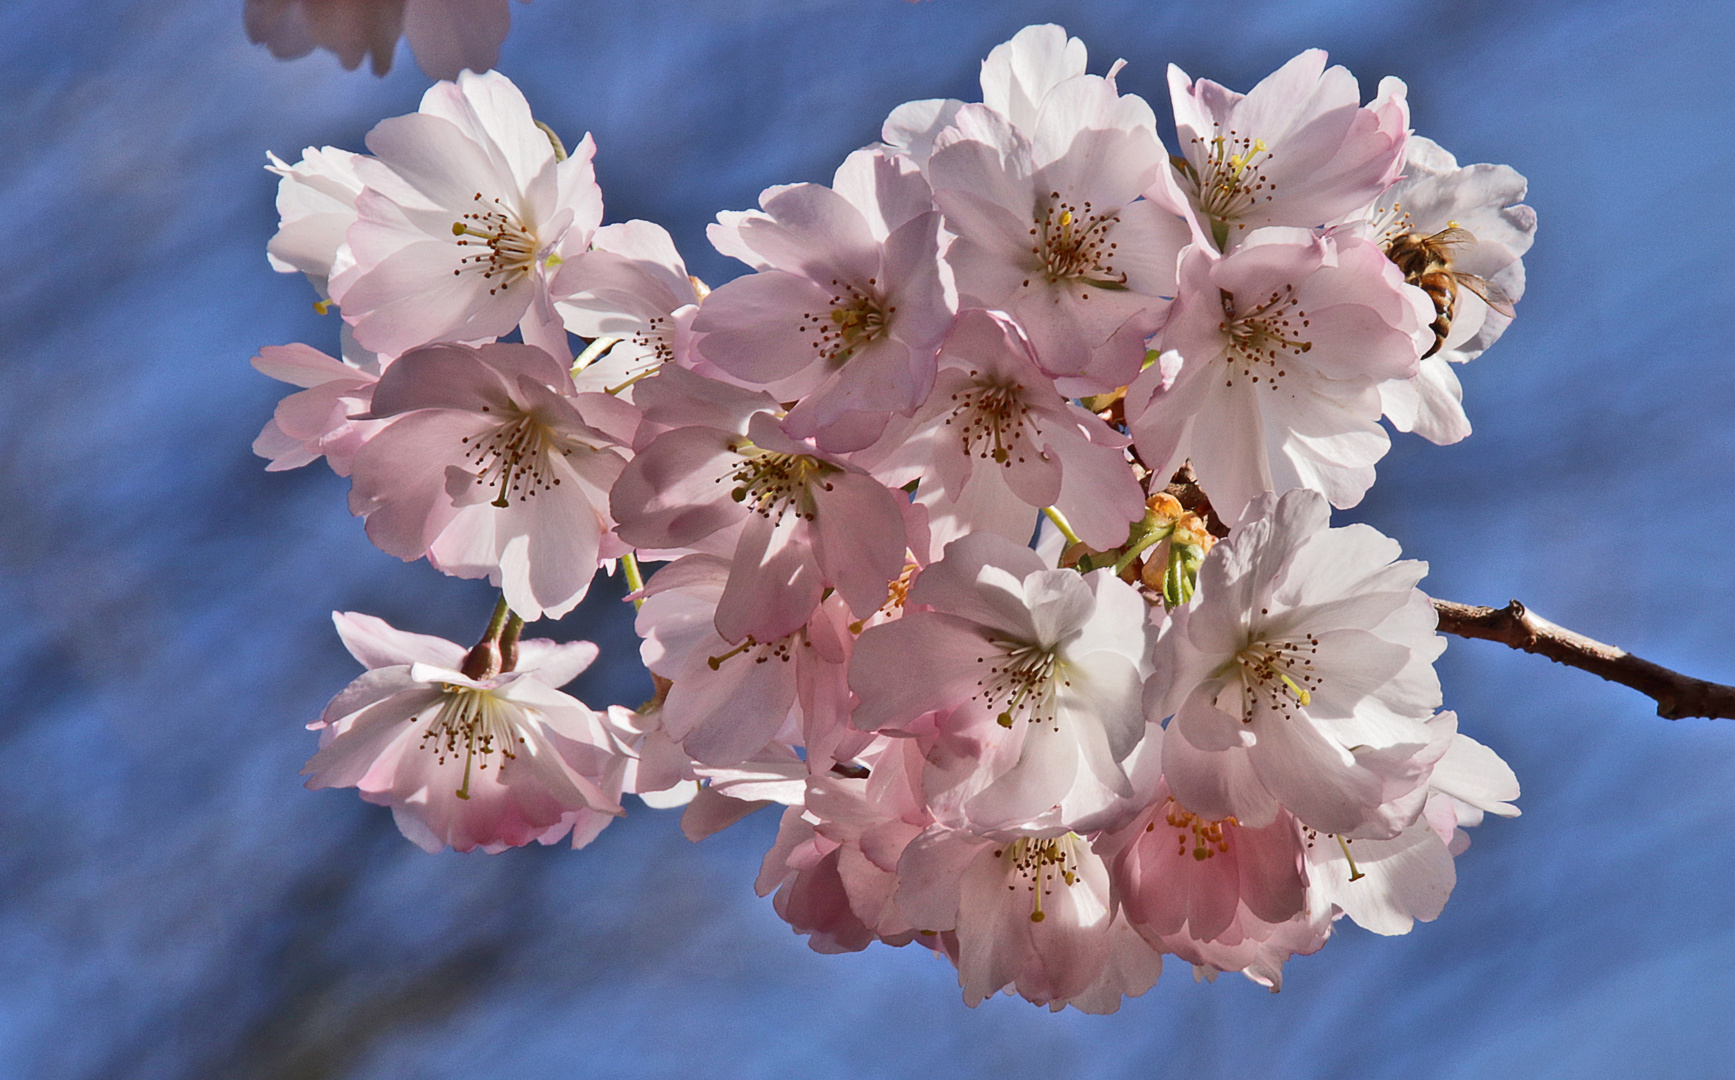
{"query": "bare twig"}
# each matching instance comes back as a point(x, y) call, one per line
point(1514, 625)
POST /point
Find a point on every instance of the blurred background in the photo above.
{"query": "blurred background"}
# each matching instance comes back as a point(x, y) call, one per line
point(174, 905)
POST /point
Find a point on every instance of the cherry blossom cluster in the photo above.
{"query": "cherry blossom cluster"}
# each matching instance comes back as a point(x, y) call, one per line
point(993, 508)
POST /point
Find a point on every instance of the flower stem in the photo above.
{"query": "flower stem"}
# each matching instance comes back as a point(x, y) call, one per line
point(596, 348)
point(487, 658)
point(509, 642)
point(635, 578)
point(1061, 523)
point(1154, 536)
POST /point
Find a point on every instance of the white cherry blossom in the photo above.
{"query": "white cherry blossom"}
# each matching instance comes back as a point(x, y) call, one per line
point(465, 209)
point(1301, 677)
point(1279, 349)
point(1298, 149)
point(1022, 681)
point(1474, 218)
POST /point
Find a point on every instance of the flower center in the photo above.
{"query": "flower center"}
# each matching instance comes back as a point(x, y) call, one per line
point(1071, 243)
point(1205, 838)
point(1280, 673)
point(511, 244)
point(771, 484)
point(991, 419)
point(1265, 337)
point(1227, 175)
point(515, 458)
point(857, 318)
point(478, 722)
point(1040, 863)
point(1022, 679)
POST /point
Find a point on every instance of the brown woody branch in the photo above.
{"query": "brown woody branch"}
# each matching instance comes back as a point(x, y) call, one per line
point(1516, 626)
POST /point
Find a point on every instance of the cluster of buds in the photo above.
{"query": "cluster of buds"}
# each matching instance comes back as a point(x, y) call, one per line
point(940, 574)
point(1162, 553)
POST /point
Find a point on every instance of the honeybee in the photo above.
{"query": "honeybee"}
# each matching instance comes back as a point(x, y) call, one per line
point(1426, 262)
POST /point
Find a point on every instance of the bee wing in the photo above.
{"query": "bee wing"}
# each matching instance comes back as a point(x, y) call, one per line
point(1452, 236)
point(1492, 295)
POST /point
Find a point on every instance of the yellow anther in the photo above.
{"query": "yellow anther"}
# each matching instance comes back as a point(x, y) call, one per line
point(322, 306)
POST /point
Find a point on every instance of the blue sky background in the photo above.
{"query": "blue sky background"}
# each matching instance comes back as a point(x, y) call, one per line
point(174, 905)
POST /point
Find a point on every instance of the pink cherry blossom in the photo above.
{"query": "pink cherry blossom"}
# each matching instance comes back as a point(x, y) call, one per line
point(1050, 228)
point(490, 761)
point(317, 421)
point(632, 286)
point(1301, 677)
point(1029, 915)
point(1215, 893)
point(834, 865)
point(729, 701)
point(797, 521)
point(1017, 78)
point(1022, 682)
point(466, 207)
point(996, 442)
point(1298, 149)
point(493, 466)
point(1281, 347)
point(447, 36)
point(848, 304)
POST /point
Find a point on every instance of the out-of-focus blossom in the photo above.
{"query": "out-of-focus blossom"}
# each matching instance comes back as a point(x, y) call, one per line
point(1282, 345)
point(1298, 149)
point(447, 36)
point(493, 466)
point(491, 759)
point(1301, 677)
point(466, 206)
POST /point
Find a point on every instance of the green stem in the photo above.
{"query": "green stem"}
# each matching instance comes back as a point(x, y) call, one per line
point(596, 348)
point(1140, 545)
point(1061, 523)
point(485, 658)
point(497, 621)
point(635, 578)
point(509, 642)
